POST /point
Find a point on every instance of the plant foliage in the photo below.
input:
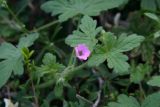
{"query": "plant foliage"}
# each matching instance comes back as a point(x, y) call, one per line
point(79, 53)
point(70, 8)
point(12, 57)
point(111, 50)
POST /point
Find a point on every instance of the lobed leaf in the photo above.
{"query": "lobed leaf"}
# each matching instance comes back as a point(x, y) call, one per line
point(69, 8)
point(28, 40)
point(124, 101)
point(111, 50)
point(138, 73)
point(152, 100)
point(155, 81)
point(148, 5)
point(11, 58)
point(118, 62)
point(49, 66)
point(127, 43)
point(85, 34)
point(153, 16)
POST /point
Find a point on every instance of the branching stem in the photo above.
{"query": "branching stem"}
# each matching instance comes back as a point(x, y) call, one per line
point(84, 99)
point(16, 19)
point(66, 72)
point(45, 26)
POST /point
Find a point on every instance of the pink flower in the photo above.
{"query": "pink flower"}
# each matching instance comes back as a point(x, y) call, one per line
point(82, 52)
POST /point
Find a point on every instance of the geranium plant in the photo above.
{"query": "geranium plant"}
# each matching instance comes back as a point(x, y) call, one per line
point(79, 53)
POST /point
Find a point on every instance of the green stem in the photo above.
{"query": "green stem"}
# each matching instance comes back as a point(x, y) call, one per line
point(45, 85)
point(143, 95)
point(59, 51)
point(71, 58)
point(40, 55)
point(30, 67)
point(70, 72)
point(57, 29)
point(34, 93)
point(16, 19)
point(79, 67)
point(45, 26)
point(23, 26)
point(50, 82)
point(84, 99)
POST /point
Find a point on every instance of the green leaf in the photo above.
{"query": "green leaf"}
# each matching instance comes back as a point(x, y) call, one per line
point(153, 16)
point(69, 8)
point(5, 73)
point(85, 34)
point(115, 58)
point(12, 60)
point(45, 103)
point(6, 31)
point(127, 43)
point(96, 59)
point(124, 101)
point(28, 40)
point(3, 3)
point(157, 34)
point(58, 90)
point(152, 100)
point(49, 66)
point(118, 61)
point(155, 81)
point(138, 73)
point(148, 5)
point(49, 59)
point(111, 50)
point(147, 50)
point(71, 93)
point(158, 3)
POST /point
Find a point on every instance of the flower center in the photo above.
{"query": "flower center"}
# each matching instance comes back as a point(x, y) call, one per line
point(80, 53)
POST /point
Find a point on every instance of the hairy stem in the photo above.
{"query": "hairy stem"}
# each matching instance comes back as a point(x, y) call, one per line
point(71, 58)
point(35, 96)
point(45, 26)
point(46, 84)
point(84, 99)
point(66, 72)
point(142, 92)
point(16, 19)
